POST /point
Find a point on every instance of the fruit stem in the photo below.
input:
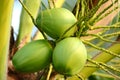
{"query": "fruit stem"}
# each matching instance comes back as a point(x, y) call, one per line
point(24, 32)
point(102, 38)
point(77, 9)
point(67, 31)
point(81, 29)
point(70, 28)
point(112, 34)
point(33, 20)
point(100, 17)
point(103, 68)
point(102, 57)
point(44, 5)
point(116, 25)
point(101, 49)
point(49, 72)
point(109, 67)
point(96, 17)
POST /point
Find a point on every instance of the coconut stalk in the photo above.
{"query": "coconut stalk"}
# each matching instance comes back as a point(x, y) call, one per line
point(102, 57)
point(26, 24)
point(5, 23)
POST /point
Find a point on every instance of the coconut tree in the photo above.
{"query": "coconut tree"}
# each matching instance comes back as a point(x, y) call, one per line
point(82, 35)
